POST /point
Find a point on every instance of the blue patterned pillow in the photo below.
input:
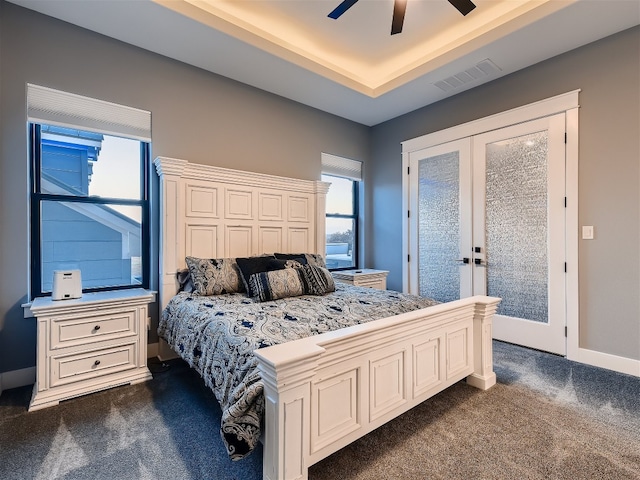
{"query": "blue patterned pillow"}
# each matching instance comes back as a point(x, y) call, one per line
point(214, 276)
point(275, 284)
point(316, 280)
point(315, 259)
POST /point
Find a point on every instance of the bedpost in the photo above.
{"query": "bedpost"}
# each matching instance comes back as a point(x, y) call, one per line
point(287, 393)
point(170, 171)
point(321, 210)
point(483, 376)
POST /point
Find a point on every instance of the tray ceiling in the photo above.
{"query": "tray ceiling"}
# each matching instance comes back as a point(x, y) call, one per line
point(352, 67)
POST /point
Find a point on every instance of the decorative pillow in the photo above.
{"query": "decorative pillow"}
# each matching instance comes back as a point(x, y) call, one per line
point(292, 264)
point(264, 263)
point(184, 280)
point(304, 258)
point(265, 286)
point(298, 257)
point(316, 280)
point(315, 259)
point(214, 276)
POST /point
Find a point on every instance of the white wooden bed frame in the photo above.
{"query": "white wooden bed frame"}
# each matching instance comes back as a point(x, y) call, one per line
point(321, 392)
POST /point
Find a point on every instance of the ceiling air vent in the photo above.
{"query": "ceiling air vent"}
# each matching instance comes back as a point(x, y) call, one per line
point(483, 69)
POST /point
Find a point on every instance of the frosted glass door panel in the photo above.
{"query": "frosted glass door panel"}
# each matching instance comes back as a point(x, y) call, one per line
point(440, 221)
point(519, 230)
point(439, 227)
point(487, 217)
point(516, 225)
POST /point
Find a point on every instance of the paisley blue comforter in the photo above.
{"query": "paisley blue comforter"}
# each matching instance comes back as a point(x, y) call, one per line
point(216, 335)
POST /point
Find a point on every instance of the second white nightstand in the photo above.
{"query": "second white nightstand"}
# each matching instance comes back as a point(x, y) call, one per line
point(363, 277)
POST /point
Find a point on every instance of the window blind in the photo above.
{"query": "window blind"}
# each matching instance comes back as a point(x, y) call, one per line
point(55, 107)
point(341, 167)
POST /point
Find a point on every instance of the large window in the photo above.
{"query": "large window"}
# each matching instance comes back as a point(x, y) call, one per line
point(345, 176)
point(89, 198)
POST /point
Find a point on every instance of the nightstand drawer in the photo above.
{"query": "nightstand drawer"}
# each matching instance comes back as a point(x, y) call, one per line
point(82, 330)
point(81, 366)
point(377, 283)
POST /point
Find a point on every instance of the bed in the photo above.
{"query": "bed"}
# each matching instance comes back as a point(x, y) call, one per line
point(321, 392)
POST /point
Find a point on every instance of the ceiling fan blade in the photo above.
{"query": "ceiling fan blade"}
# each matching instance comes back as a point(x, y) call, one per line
point(399, 7)
point(463, 6)
point(340, 9)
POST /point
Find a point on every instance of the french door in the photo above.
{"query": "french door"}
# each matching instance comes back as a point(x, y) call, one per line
point(441, 236)
point(487, 218)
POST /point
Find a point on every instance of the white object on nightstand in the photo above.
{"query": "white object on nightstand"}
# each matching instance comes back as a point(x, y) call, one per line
point(88, 344)
point(363, 277)
point(67, 284)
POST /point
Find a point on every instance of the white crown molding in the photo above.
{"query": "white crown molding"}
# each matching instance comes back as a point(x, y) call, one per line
point(192, 171)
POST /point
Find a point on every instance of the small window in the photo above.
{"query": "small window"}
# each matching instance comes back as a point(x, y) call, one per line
point(341, 223)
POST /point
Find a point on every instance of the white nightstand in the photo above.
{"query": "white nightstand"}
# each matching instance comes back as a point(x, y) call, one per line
point(91, 343)
point(363, 277)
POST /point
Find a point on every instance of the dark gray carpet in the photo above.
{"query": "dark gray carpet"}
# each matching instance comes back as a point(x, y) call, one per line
point(547, 418)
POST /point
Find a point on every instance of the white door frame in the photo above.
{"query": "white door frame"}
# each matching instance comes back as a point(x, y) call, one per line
point(567, 103)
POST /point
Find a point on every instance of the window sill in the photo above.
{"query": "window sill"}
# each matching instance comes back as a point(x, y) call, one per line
point(26, 308)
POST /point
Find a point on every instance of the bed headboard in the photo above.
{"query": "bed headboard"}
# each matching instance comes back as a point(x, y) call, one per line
point(213, 212)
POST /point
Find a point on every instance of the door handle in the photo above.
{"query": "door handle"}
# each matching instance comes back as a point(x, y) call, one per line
point(479, 263)
point(462, 260)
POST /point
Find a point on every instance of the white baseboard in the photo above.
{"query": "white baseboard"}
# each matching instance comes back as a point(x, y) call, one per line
point(625, 365)
point(17, 378)
point(165, 352)
point(152, 350)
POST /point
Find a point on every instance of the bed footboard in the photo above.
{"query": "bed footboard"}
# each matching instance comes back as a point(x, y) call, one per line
point(324, 392)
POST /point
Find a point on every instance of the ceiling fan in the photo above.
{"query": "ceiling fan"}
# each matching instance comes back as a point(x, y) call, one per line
point(399, 7)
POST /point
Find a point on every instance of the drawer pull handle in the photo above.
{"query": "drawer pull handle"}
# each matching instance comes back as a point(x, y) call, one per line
point(96, 328)
point(96, 363)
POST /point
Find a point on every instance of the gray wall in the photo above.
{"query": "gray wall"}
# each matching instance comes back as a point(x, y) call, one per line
point(196, 115)
point(209, 119)
point(608, 73)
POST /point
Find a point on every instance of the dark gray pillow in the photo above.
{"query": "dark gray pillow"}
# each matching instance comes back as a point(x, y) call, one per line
point(298, 257)
point(184, 280)
point(250, 265)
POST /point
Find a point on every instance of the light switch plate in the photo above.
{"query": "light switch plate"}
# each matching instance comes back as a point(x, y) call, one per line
point(587, 232)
